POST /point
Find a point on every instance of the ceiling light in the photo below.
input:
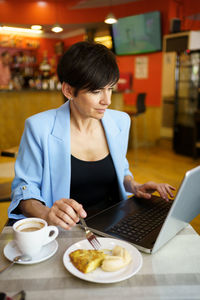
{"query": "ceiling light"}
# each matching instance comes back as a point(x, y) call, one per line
point(19, 30)
point(36, 27)
point(56, 28)
point(42, 3)
point(110, 19)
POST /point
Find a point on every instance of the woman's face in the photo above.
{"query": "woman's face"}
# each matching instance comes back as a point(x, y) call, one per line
point(93, 104)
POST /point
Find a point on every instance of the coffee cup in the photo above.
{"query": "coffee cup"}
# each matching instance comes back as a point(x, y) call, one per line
point(31, 234)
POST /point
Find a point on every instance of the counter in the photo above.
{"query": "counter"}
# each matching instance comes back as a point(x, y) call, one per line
point(17, 106)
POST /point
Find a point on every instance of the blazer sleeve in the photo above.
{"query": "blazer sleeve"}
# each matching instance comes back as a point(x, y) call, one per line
point(28, 169)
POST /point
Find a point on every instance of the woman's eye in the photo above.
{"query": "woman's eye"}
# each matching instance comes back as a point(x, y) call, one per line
point(96, 92)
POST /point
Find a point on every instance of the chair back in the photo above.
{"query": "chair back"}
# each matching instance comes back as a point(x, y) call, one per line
point(140, 103)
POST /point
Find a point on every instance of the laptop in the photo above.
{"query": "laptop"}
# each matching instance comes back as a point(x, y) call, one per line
point(150, 224)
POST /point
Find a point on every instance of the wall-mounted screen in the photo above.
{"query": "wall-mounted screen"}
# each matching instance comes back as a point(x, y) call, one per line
point(137, 34)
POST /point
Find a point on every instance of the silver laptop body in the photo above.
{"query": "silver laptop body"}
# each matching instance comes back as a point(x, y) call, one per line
point(183, 209)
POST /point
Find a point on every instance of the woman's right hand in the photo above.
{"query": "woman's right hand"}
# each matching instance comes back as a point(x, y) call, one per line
point(65, 213)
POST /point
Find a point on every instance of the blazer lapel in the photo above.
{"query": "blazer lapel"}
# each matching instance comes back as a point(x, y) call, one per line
point(113, 133)
point(59, 151)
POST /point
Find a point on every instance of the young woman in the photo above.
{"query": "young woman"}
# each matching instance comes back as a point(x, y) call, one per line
point(72, 160)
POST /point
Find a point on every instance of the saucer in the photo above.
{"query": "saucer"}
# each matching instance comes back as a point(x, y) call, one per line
point(11, 251)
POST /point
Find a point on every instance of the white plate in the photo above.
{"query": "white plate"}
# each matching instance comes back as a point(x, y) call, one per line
point(11, 250)
point(100, 276)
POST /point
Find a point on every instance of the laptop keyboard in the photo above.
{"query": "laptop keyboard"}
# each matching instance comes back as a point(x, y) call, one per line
point(136, 227)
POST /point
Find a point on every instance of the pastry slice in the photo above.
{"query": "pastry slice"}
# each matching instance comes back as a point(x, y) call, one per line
point(86, 260)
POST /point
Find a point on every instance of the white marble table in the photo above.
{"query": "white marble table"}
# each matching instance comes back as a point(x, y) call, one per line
point(171, 273)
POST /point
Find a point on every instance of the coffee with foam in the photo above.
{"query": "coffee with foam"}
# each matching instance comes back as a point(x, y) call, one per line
point(31, 234)
point(28, 226)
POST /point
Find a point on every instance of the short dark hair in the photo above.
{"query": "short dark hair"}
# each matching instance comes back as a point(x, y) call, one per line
point(88, 65)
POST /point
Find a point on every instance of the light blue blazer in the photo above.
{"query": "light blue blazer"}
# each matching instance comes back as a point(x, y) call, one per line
point(43, 165)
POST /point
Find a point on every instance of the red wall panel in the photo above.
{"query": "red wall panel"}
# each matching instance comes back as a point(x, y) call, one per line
point(151, 85)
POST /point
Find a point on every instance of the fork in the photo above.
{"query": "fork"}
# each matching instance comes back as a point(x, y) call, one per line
point(92, 239)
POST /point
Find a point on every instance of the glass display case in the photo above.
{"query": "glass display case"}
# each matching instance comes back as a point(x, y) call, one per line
point(187, 101)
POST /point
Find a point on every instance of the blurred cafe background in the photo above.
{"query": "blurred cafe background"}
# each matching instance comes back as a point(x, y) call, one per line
point(157, 44)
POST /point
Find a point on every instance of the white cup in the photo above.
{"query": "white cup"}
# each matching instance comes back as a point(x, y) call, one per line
point(31, 234)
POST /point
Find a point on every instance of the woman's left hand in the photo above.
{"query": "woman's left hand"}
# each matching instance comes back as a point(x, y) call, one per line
point(145, 190)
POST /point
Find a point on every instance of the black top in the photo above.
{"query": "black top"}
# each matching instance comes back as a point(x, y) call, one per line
point(94, 183)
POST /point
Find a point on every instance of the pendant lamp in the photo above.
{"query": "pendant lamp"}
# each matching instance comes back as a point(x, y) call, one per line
point(56, 28)
point(110, 19)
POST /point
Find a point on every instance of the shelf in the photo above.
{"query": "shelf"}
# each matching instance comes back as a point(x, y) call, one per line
point(23, 66)
point(185, 120)
point(189, 81)
point(185, 66)
point(187, 98)
point(18, 48)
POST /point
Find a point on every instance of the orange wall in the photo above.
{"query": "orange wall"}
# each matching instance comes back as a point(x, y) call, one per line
point(15, 11)
point(151, 85)
point(72, 40)
point(46, 46)
point(29, 12)
point(190, 8)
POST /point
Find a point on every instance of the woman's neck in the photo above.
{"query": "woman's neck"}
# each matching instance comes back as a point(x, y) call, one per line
point(80, 122)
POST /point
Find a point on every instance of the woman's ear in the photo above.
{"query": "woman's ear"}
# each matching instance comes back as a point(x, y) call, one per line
point(67, 90)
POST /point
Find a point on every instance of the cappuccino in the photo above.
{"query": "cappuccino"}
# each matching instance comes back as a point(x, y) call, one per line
point(31, 234)
point(27, 226)
point(28, 229)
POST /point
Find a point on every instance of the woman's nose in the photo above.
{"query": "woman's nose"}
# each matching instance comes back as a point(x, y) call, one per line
point(106, 98)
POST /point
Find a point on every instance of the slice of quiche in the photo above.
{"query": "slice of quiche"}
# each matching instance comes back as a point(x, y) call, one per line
point(86, 260)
